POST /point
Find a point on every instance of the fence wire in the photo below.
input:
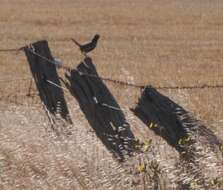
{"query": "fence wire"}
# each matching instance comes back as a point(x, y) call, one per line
point(119, 82)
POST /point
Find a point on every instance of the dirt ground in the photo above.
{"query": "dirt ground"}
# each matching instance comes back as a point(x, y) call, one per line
point(159, 43)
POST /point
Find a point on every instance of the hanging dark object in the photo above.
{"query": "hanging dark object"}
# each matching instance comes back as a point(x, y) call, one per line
point(47, 80)
point(101, 109)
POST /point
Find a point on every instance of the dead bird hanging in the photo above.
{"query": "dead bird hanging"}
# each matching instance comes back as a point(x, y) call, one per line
point(88, 47)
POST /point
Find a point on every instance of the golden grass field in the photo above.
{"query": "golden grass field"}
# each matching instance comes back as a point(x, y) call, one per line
point(151, 42)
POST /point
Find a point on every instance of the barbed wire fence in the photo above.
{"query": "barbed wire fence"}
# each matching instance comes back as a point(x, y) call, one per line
point(113, 81)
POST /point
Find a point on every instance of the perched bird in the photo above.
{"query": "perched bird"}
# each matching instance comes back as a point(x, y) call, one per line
point(85, 48)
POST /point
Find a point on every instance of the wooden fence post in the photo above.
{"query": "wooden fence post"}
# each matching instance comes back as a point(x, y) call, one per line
point(169, 120)
point(101, 109)
point(158, 112)
point(43, 70)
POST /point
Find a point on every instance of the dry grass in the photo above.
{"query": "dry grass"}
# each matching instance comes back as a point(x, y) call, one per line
point(154, 42)
point(162, 43)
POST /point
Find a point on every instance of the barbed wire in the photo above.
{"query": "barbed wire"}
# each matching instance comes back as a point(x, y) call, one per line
point(119, 82)
point(66, 90)
point(204, 86)
point(11, 50)
point(56, 85)
point(131, 84)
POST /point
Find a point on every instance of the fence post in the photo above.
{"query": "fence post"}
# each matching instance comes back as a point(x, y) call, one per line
point(43, 70)
point(101, 109)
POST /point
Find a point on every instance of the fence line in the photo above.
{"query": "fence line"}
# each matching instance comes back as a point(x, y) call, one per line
point(123, 83)
point(56, 85)
point(205, 86)
point(10, 50)
point(17, 50)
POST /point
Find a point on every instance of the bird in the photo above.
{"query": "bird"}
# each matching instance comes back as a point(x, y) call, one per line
point(88, 47)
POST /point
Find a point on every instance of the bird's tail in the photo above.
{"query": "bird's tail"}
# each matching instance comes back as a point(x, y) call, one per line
point(79, 45)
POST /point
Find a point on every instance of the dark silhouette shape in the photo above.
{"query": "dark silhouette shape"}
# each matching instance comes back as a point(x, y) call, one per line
point(174, 124)
point(101, 110)
point(88, 47)
point(169, 120)
point(42, 71)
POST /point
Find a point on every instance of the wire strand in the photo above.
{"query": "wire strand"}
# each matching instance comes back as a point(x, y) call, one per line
point(56, 85)
point(204, 86)
point(139, 86)
point(12, 49)
point(131, 84)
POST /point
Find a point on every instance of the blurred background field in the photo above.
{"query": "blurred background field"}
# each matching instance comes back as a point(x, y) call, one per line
point(149, 42)
point(162, 43)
